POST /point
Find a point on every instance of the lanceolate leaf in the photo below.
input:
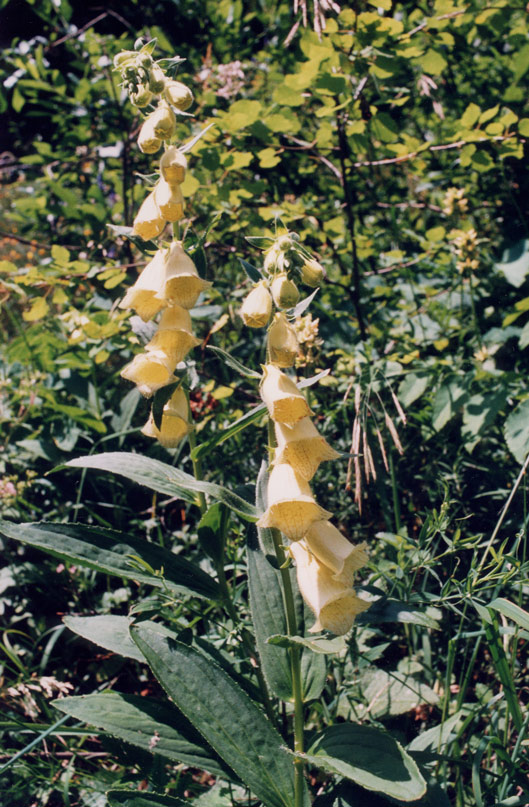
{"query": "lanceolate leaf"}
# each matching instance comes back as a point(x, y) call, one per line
point(234, 363)
point(152, 725)
point(511, 611)
point(114, 553)
point(131, 798)
point(220, 436)
point(164, 478)
point(370, 757)
point(231, 723)
point(108, 631)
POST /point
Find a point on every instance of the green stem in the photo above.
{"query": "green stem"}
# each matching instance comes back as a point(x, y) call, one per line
point(197, 471)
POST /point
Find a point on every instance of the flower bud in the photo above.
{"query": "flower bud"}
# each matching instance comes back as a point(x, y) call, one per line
point(142, 295)
point(163, 121)
point(147, 141)
point(156, 79)
point(284, 291)
point(312, 273)
point(336, 552)
point(173, 166)
point(286, 404)
point(174, 336)
point(124, 57)
point(178, 95)
point(302, 447)
point(257, 306)
point(282, 342)
point(141, 96)
point(335, 606)
point(175, 423)
point(150, 372)
point(149, 222)
point(291, 505)
point(182, 284)
point(169, 199)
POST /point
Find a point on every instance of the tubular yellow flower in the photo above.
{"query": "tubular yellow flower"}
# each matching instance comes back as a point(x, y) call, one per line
point(302, 447)
point(284, 291)
point(174, 336)
point(173, 166)
point(149, 371)
point(147, 140)
point(178, 95)
point(169, 199)
point(163, 121)
point(141, 97)
point(149, 222)
point(286, 404)
point(182, 283)
point(175, 424)
point(142, 295)
point(330, 547)
point(291, 505)
point(257, 306)
point(334, 605)
point(282, 342)
point(312, 273)
point(156, 79)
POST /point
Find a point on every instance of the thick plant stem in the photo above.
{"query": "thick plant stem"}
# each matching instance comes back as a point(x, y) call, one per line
point(197, 473)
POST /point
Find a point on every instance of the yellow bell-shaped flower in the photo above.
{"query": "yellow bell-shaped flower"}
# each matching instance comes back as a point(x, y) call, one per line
point(340, 556)
point(149, 371)
point(334, 605)
point(174, 336)
point(178, 94)
point(149, 222)
point(284, 291)
point(312, 273)
point(286, 404)
point(142, 295)
point(291, 505)
point(173, 166)
point(175, 423)
point(170, 200)
point(147, 140)
point(163, 121)
point(282, 342)
point(182, 283)
point(257, 306)
point(302, 447)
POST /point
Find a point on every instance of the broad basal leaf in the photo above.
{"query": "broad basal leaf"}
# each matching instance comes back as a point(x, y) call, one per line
point(108, 631)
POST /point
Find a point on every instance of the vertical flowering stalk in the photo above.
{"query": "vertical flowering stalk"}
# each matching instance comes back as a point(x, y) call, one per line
point(169, 285)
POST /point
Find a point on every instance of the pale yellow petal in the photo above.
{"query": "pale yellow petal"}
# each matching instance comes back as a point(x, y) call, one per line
point(286, 404)
point(332, 549)
point(291, 505)
point(302, 447)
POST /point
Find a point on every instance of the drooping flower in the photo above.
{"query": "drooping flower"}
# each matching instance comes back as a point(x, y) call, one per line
point(312, 273)
point(163, 121)
point(175, 423)
point(142, 295)
point(173, 166)
point(284, 291)
point(149, 222)
point(302, 447)
point(170, 200)
point(178, 94)
point(257, 306)
point(291, 505)
point(156, 79)
point(282, 342)
point(332, 549)
point(147, 140)
point(174, 336)
point(286, 404)
point(334, 605)
point(150, 371)
point(182, 283)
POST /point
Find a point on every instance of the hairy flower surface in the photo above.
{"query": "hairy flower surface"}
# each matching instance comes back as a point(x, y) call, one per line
point(149, 222)
point(330, 547)
point(182, 284)
point(149, 371)
point(286, 404)
point(173, 166)
point(334, 605)
point(282, 342)
point(175, 423)
point(302, 447)
point(174, 336)
point(170, 200)
point(142, 295)
point(284, 291)
point(291, 505)
point(256, 309)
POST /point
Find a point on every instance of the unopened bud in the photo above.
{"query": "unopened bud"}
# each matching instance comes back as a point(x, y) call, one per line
point(169, 199)
point(178, 95)
point(282, 342)
point(156, 79)
point(257, 307)
point(147, 140)
point(284, 291)
point(141, 97)
point(173, 166)
point(312, 273)
point(121, 59)
point(163, 121)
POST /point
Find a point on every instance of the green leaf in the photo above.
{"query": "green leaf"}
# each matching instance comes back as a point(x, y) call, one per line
point(433, 62)
point(164, 478)
point(115, 553)
point(230, 722)
point(235, 364)
point(390, 694)
point(135, 798)
point(389, 610)
point(523, 127)
point(449, 398)
point(511, 611)
point(147, 723)
point(224, 434)
point(159, 400)
point(470, 116)
point(516, 431)
point(318, 644)
point(370, 757)
point(436, 738)
point(252, 271)
point(515, 263)
point(412, 387)
point(479, 414)
point(108, 631)
point(211, 531)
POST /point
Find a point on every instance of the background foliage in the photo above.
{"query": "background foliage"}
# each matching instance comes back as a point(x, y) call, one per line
point(352, 139)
